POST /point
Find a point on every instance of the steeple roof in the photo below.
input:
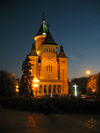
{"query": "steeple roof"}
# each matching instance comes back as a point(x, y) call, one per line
point(33, 51)
point(43, 29)
point(49, 39)
point(62, 53)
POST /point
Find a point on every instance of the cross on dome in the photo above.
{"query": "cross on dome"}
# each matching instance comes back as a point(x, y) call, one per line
point(43, 21)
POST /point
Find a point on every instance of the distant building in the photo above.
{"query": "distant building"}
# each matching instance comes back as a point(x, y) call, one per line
point(48, 67)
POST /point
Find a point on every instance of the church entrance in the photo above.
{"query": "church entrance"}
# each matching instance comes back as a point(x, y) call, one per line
point(49, 89)
point(45, 89)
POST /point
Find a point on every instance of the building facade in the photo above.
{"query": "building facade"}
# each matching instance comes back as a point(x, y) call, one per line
point(48, 67)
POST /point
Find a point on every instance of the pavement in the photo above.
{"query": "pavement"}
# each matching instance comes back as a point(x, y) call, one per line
point(13, 121)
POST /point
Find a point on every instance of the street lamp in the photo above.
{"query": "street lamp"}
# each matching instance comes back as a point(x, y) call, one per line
point(35, 81)
point(93, 91)
point(17, 90)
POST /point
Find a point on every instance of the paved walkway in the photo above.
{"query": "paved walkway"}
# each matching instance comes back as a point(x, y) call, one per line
point(12, 121)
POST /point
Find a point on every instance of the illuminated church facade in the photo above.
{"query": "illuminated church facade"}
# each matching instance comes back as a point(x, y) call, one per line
point(48, 67)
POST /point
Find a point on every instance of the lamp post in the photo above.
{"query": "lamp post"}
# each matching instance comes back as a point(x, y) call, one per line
point(93, 91)
point(17, 90)
point(35, 81)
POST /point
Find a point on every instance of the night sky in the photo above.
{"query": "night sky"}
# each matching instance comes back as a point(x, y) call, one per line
point(73, 23)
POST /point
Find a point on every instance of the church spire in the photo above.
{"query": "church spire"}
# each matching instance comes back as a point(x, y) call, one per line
point(43, 20)
point(33, 50)
point(48, 26)
point(43, 29)
point(62, 53)
point(49, 39)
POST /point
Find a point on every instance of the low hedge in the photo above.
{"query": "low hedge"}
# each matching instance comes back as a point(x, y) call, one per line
point(57, 105)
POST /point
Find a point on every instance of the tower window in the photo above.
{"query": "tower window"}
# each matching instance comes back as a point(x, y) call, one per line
point(51, 68)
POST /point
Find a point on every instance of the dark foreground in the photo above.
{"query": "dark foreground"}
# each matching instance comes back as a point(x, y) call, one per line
point(14, 121)
point(53, 105)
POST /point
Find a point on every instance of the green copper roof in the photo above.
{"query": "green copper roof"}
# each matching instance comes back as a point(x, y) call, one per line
point(43, 29)
point(49, 39)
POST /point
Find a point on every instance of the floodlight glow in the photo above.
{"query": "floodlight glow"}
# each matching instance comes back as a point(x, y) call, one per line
point(17, 90)
point(35, 85)
point(75, 89)
point(93, 90)
point(35, 81)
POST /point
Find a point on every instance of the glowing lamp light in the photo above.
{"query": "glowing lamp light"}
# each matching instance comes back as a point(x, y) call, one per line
point(44, 33)
point(35, 81)
point(93, 90)
point(17, 86)
point(17, 90)
point(35, 85)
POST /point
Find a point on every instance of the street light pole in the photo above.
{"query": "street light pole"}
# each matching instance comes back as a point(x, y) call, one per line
point(35, 81)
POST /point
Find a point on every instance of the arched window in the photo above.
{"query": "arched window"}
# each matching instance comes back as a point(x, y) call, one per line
point(49, 89)
point(45, 89)
point(47, 68)
point(59, 89)
point(40, 89)
point(54, 89)
point(51, 68)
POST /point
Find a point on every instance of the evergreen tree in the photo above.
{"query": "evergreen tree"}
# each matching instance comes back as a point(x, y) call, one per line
point(26, 77)
point(13, 84)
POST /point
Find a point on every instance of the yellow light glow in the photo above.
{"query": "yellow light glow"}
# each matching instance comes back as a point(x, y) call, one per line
point(93, 90)
point(88, 72)
point(35, 85)
point(17, 86)
point(17, 90)
point(38, 52)
point(39, 36)
point(35, 81)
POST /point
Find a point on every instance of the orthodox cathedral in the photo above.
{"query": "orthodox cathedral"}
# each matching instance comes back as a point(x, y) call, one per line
point(49, 69)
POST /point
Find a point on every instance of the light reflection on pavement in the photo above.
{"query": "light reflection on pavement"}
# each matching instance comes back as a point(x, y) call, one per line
point(27, 122)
